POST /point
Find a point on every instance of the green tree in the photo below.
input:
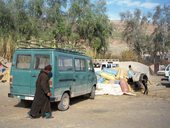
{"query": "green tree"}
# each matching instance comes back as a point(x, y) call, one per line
point(160, 43)
point(23, 25)
point(6, 20)
point(134, 32)
point(56, 20)
point(36, 8)
point(82, 23)
point(91, 23)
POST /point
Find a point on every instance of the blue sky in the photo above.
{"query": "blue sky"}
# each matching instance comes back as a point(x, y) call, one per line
point(114, 7)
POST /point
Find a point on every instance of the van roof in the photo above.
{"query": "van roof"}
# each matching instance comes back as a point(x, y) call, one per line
point(53, 49)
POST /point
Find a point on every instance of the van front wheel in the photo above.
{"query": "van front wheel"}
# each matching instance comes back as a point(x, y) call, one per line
point(92, 94)
point(64, 103)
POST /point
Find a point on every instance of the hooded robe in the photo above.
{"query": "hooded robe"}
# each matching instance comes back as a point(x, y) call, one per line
point(41, 103)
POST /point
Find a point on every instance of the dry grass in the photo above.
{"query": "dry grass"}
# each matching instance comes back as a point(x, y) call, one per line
point(7, 47)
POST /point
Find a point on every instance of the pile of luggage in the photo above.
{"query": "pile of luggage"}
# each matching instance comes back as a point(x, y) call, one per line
point(113, 81)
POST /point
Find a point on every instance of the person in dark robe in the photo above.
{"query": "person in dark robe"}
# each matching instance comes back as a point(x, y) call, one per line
point(41, 104)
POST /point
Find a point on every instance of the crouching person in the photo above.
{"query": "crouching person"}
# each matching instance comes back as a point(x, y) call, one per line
point(3, 73)
point(41, 104)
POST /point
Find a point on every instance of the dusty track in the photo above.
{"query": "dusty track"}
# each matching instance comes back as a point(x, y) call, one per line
point(152, 111)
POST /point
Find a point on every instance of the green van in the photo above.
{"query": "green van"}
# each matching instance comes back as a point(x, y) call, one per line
point(73, 74)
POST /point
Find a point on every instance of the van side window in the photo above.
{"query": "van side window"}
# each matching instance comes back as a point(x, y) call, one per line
point(89, 63)
point(41, 61)
point(65, 63)
point(23, 61)
point(79, 65)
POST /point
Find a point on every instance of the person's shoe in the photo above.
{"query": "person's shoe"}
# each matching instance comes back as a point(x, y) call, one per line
point(49, 117)
point(30, 116)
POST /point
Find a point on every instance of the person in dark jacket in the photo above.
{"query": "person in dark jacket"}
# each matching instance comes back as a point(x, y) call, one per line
point(41, 104)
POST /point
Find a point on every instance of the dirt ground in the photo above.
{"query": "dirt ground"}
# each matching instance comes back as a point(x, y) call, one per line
point(141, 111)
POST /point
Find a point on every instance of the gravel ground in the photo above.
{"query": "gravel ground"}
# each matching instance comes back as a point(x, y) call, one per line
point(139, 111)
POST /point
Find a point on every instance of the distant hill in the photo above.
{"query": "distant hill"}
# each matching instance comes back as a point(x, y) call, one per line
point(117, 45)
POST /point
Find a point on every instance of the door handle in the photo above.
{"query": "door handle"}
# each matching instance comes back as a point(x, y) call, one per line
point(64, 80)
point(34, 76)
point(76, 76)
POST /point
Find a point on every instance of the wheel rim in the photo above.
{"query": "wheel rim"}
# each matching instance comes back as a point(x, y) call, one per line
point(65, 102)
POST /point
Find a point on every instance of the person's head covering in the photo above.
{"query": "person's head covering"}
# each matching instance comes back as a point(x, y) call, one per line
point(48, 68)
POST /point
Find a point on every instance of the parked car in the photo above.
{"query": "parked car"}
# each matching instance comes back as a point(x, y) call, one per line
point(73, 74)
point(161, 73)
point(167, 70)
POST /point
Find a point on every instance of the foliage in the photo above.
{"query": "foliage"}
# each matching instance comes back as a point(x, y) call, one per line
point(129, 56)
point(82, 25)
point(90, 23)
point(73, 23)
point(160, 43)
point(6, 20)
point(134, 32)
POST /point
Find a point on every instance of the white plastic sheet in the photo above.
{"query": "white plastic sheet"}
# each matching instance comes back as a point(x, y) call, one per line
point(108, 89)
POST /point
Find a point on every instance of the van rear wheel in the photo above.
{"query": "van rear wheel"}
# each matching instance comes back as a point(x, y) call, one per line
point(64, 103)
point(92, 94)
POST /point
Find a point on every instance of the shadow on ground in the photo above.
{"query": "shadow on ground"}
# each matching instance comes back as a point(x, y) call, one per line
point(166, 85)
point(27, 104)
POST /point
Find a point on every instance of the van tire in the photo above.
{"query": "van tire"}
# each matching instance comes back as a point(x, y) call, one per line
point(64, 102)
point(92, 94)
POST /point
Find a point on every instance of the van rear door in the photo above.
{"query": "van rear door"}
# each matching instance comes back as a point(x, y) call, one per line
point(39, 62)
point(91, 75)
point(21, 73)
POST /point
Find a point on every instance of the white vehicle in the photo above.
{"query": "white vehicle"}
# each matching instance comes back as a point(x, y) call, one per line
point(161, 71)
point(166, 73)
point(99, 67)
point(109, 65)
point(167, 70)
